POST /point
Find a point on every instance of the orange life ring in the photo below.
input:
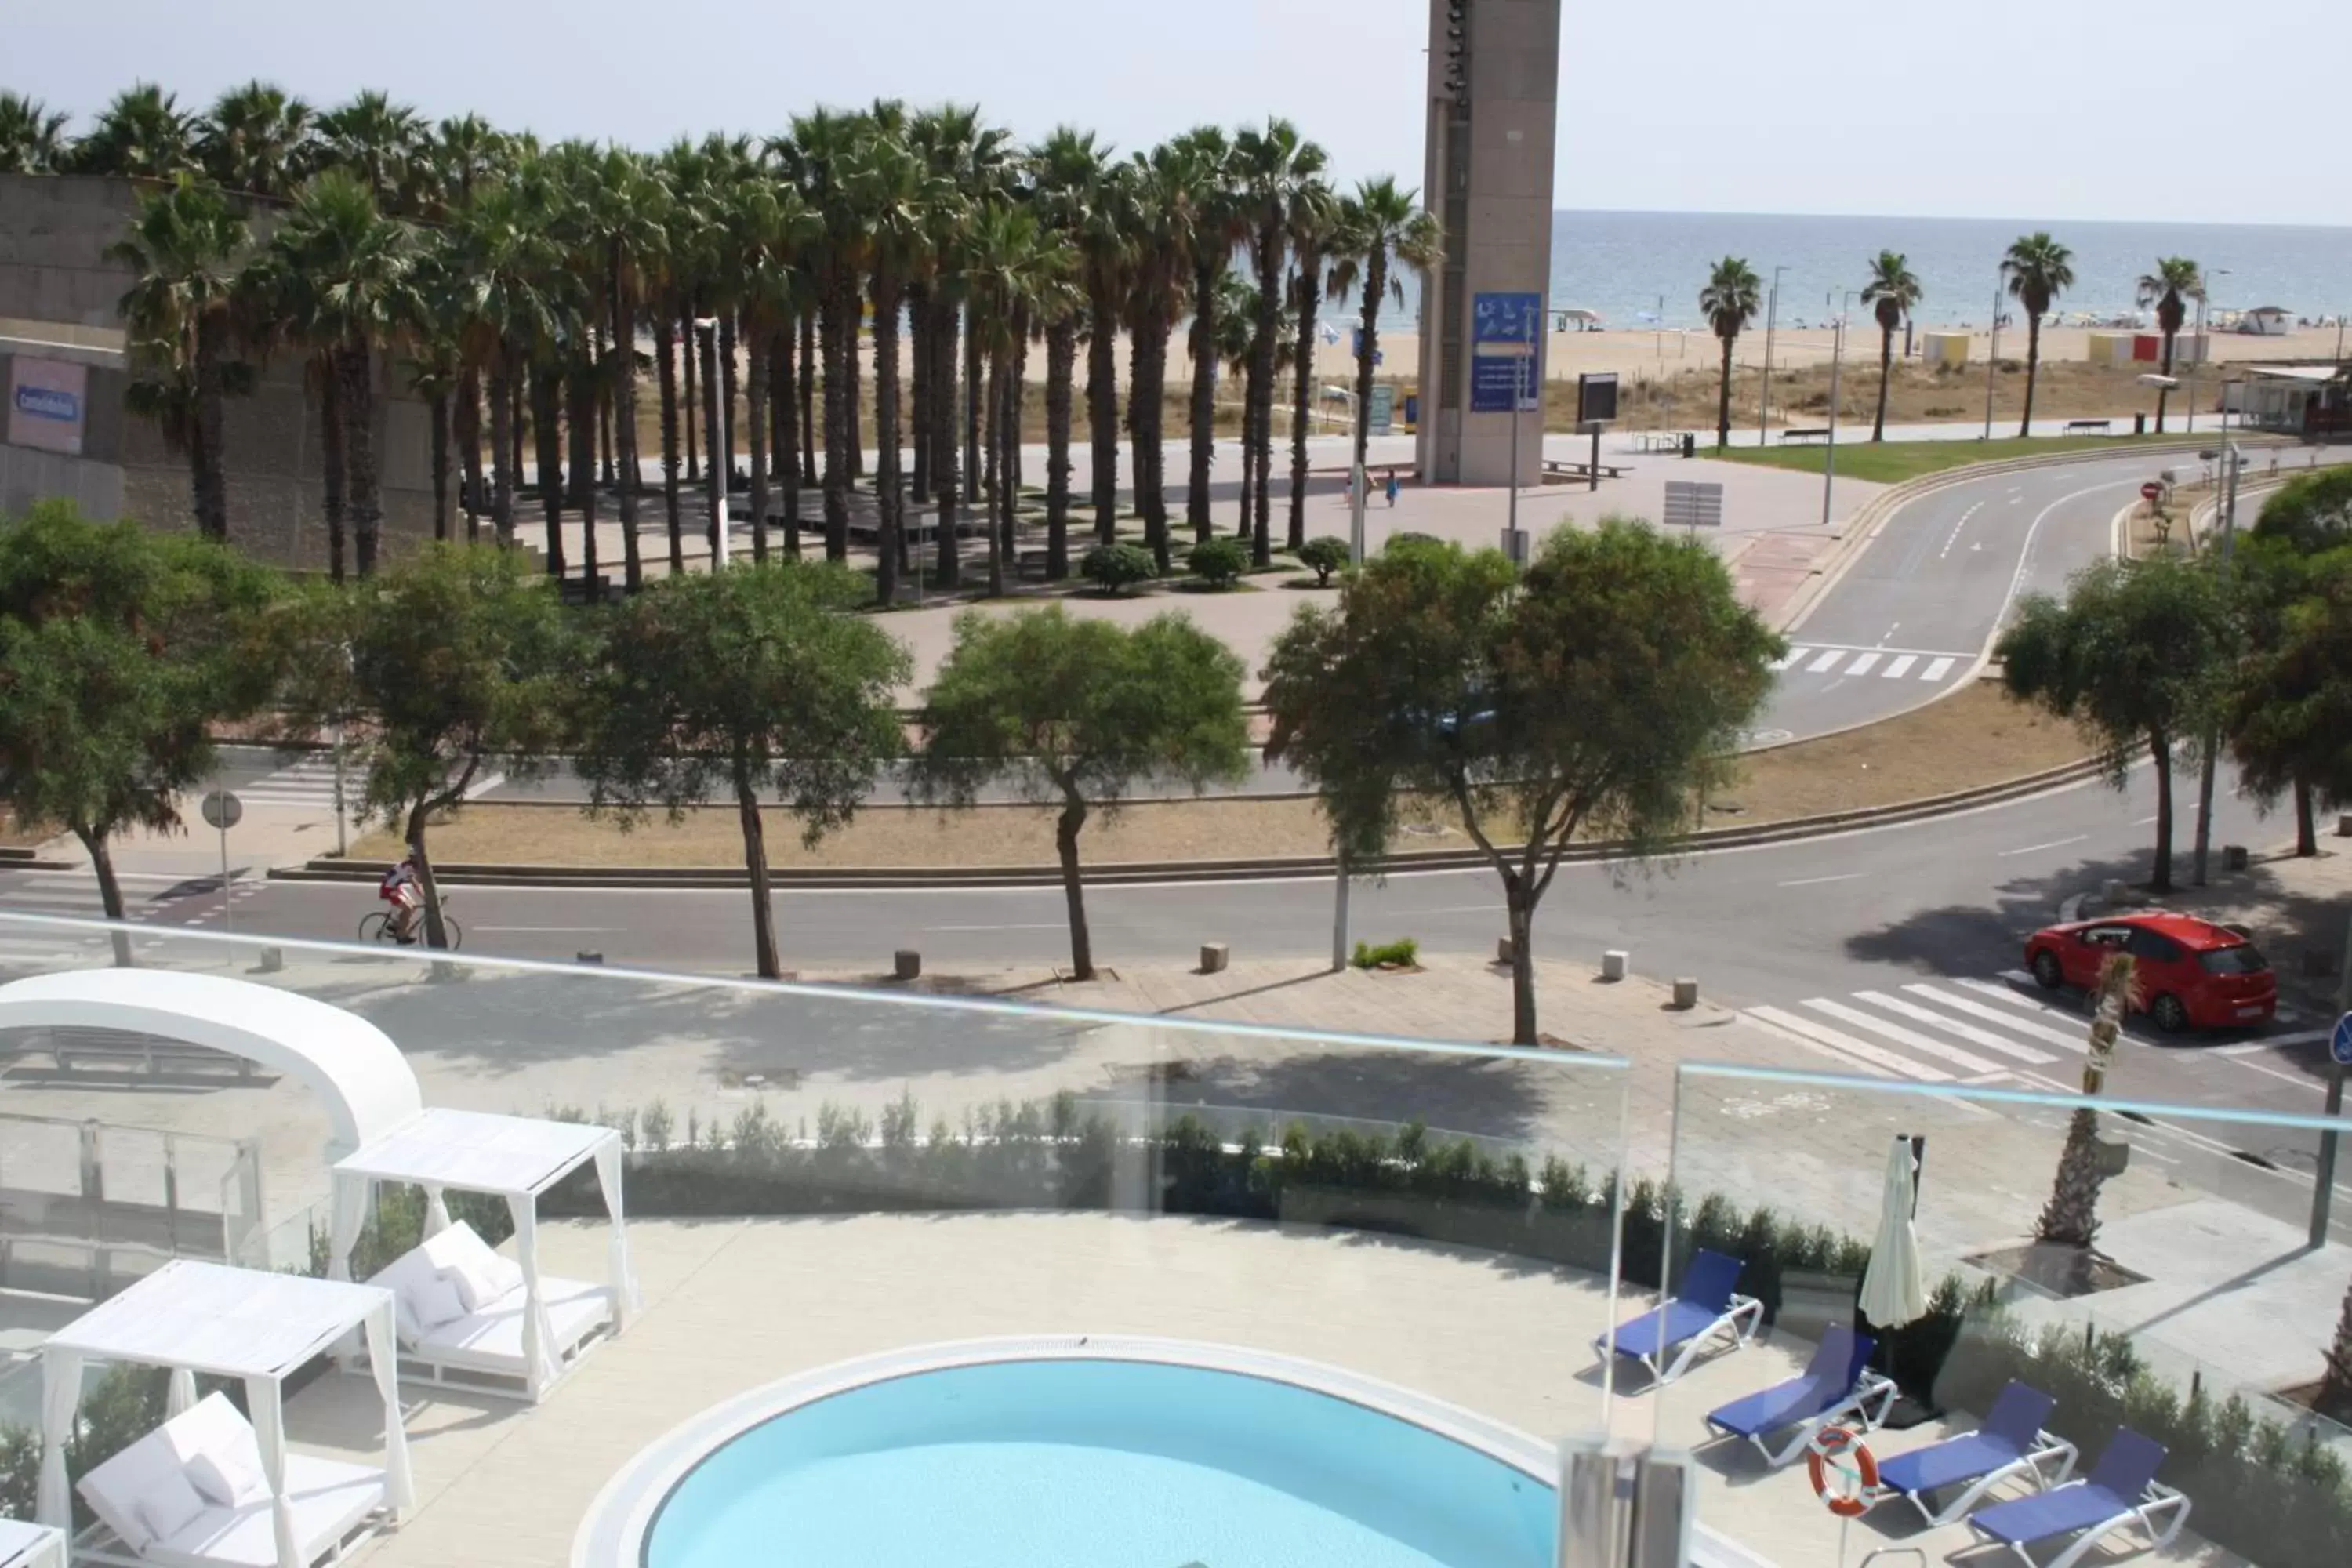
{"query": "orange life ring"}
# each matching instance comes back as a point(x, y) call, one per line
point(1825, 1445)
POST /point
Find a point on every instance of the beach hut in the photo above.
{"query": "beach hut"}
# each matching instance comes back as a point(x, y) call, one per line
point(2110, 348)
point(2265, 321)
point(1944, 348)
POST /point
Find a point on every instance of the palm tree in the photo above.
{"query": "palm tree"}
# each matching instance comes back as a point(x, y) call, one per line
point(2038, 269)
point(688, 241)
point(1730, 300)
point(1315, 236)
point(767, 228)
point(2071, 1218)
point(1159, 262)
point(382, 144)
point(898, 192)
point(822, 150)
point(354, 274)
point(32, 139)
point(1387, 231)
point(258, 140)
point(1891, 293)
point(463, 154)
point(1271, 166)
point(505, 301)
point(186, 247)
point(142, 134)
point(1214, 227)
point(2176, 281)
point(1009, 263)
point(1067, 179)
point(629, 216)
point(1091, 182)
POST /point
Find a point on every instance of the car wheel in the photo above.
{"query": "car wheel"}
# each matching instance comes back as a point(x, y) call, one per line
point(2169, 1015)
point(2048, 973)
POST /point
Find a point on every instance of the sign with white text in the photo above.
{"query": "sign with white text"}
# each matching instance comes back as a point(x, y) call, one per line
point(1506, 318)
point(1380, 414)
point(49, 404)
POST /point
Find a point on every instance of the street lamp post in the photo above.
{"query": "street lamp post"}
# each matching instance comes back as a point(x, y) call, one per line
point(1771, 320)
point(1837, 366)
point(2235, 462)
point(716, 473)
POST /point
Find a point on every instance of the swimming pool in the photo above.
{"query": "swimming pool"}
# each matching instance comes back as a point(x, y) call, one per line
point(1070, 1453)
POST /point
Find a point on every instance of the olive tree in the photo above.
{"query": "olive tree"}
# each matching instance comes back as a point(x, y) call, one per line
point(741, 685)
point(1075, 713)
point(1599, 693)
point(120, 650)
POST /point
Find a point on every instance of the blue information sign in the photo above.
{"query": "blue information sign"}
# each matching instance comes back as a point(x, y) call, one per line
point(2340, 1044)
point(1492, 378)
point(1506, 318)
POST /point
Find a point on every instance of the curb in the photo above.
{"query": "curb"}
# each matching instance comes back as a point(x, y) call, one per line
point(29, 859)
point(879, 879)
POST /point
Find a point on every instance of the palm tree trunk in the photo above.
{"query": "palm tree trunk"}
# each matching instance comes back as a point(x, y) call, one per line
point(205, 461)
point(1102, 413)
point(604, 453)
point(2306, 831)
point(993, 472)
point(755, 421)
point(1886, 373)
point(2032, 369)
point(1008, 466)
point(1519, 919)
point(1367, 347)
point(807, 393)
point(1061, 365)
point(665, 356)
point(973, 383)
point(853, 377)
point(943, 390)
point(469, 419)
point(438, 437)
point(725, 456)
point(1723, 402)
point(520, 392)
point(1203, 341)
point(885, 438)
point(331, 454)
point(2163, 393)
point(919, 390)
point(547, 431)
point(2159, 747)
point(755, 861)
point(687, 335)
point(1263, 351)
point(503, 474)
point(714, 465)
point(1074, 893)
point(581, 423)
point(783, 402)
point(1310, 300)
point(1148, 347)
point(625, 428)
point(363, 493)
point(837, 324)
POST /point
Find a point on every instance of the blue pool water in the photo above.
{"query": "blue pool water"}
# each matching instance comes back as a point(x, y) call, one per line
point(1098, 1464)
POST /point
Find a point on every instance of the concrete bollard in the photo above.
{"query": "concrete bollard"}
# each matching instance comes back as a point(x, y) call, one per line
point(2115, 896)
point(1214, 956)
point(2343, 825)
point(2234, 856)
point(1685, 992)
point(1612, 963)
point(1502, 949)
point(905, 964)
point(273, 959)
point(586, 956)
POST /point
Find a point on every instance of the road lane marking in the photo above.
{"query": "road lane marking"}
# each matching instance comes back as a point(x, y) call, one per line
point(1817, 881)
point(1937, 670)
point(2284, 1077)
point(1823, 1037)
point(1862, 666)
point(568, 931)
point(1794, 655)
point(2037, 848)
point(1968, 1032)
point(1896, 670)
point(2006, 1020)
point(1045, 925)
point(1828, 661)
point(2269, 1042)
point(1967, 1062)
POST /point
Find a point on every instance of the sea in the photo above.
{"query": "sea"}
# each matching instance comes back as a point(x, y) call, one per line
point(1644, 269)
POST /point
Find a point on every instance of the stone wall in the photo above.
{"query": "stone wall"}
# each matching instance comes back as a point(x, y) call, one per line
point(58, 296)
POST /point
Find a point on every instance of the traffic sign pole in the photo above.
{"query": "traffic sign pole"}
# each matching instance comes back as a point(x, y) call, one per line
point(224, 811)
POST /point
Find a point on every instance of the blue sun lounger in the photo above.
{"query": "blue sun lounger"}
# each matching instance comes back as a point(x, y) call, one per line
point(1706, 1311)
point(2121, 1489)
point(1837, 1384)
point(2010, 1443)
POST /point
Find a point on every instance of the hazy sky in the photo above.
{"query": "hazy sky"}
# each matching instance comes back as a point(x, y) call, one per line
point(2086, 109)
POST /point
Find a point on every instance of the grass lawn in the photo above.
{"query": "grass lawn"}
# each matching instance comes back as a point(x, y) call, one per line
point(1892, 462)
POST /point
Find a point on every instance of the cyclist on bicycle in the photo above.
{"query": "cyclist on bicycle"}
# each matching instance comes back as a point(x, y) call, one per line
point(402, 889)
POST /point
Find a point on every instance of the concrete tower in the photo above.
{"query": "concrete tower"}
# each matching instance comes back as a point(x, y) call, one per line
point(1493, 97)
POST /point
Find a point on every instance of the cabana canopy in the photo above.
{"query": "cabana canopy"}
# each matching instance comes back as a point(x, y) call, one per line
point(194, 1317)
point(516, 1157)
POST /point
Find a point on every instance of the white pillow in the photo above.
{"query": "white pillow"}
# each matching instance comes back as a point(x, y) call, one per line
point(482, 1282)
point(456, 1246)
point(225, 1475)
point(435, 1301)
point(169, 1504)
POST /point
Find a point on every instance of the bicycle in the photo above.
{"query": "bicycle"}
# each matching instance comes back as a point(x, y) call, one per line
point(377, 927)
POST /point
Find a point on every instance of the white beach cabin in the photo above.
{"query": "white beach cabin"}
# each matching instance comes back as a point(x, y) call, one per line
point(466, 1317)
point(207, 1488)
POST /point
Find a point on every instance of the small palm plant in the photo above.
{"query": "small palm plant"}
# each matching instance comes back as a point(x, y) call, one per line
point(2071, 1217)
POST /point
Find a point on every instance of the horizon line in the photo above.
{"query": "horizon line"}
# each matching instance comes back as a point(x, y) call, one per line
point(1960, 217)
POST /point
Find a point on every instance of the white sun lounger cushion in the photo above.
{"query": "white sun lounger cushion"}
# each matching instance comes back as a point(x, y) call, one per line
point(330, 1500)
point(168, 1503)
point(227, 1475)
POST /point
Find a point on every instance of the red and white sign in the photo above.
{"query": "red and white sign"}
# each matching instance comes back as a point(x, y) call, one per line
point(49, 404)
point(2151, 491)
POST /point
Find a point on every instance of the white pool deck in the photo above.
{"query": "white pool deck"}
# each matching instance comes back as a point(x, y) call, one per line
point(733, 1304)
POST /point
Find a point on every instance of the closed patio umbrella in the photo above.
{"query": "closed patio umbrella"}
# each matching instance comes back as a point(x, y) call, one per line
point(1894, 1290)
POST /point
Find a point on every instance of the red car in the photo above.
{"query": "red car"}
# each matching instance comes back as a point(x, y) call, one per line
point(2193, 975)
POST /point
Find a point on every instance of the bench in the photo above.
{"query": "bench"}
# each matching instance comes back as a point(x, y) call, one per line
point(1796, 437)
point(1584, 470)
point(72, 1047)
point(2086, 427)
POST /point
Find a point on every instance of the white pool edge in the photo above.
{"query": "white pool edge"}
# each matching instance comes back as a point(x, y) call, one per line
point(613, 1532)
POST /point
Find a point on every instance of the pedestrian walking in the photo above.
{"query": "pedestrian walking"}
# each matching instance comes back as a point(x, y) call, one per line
point(1391, 488)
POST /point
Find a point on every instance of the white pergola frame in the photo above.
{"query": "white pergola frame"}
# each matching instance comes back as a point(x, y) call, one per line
point(514, 1157)
point(140, 1325)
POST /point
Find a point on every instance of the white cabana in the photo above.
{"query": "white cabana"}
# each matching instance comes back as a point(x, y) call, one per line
point(152, 1502)
point(517, 1158)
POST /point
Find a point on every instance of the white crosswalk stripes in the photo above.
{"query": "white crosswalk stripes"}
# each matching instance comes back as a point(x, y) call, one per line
point(1832, 661)
point(1965, 1029)
point(309, 781)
